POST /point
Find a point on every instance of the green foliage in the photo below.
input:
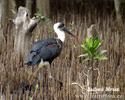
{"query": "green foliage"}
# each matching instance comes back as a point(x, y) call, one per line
point(31, 98)
point(29, 73)
point(72, 23)
point(90, 47)
point(51, 31)
point(36, 86)
point(36, 40)
point(39, 16)
point(74, 46)
point(41, 64)
point(122, 1)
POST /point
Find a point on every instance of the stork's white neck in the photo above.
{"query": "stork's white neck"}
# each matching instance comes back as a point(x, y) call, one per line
point(60, 34)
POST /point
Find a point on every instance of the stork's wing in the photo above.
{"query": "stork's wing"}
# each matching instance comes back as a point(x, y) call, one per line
point(40, 43)
point(37, 45)
point(42, 49)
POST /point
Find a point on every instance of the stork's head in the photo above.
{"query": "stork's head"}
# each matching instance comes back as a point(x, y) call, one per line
point(60, 29)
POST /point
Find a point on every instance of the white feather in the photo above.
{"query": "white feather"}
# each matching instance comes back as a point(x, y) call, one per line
point(60, 33)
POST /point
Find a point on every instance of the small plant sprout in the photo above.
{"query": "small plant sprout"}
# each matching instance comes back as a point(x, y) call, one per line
point(36, 86)
point(74, 46)
point(31, 98)
point(39, 16)
point(90, 48)
point(36, 40)
point(72, 23)
point(29, 73)
point(41, 64)
point(50, 31)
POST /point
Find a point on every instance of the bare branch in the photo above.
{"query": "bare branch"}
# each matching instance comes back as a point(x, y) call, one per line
point(14, 12)
point(91, 31)
point(77, 84)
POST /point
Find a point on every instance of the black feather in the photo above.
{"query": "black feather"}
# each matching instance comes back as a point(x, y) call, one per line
point(41, 50)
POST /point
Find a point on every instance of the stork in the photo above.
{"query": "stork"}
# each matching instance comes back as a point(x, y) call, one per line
point(47, 50)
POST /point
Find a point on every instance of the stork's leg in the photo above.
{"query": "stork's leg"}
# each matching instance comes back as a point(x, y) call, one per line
point(52, 78)
point(50, 73)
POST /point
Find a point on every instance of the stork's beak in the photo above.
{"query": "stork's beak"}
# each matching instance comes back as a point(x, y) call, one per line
point(66, 30)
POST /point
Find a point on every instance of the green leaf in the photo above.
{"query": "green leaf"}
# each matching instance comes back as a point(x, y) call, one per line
point(41, 65)
point(74, 46)
point(92, 50)
point(84, 47)
point(38, 10)
point(87, 40)
point(29, 73)
point(97, 43)
point(101, 52)
point(90, 43)
point(100, 58)
point(72, 23)
point(96, 39)
point(31, 98)
point(83, 55)
point(85, 60)
point(90, 47)
point(44, 19)
point(36, 40)
point(98, 46)
point(36, 86)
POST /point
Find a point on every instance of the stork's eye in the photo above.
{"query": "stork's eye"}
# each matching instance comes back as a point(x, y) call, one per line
point(61, 25)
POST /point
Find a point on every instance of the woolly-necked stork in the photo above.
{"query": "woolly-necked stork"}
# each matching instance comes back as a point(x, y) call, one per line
point(47, 50)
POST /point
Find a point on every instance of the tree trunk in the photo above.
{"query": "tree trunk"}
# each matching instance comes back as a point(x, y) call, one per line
point(5, 8)
point(29, 6)
point(44, 7)
point(12, 6)
point(23, 28)
point(0, 13)
point(4, 16)
point(117, 4)
point(1, 34)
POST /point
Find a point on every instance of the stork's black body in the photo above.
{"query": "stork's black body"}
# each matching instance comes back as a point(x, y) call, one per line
point(47, 50)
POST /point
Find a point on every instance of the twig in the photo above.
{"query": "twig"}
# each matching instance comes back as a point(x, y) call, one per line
point(82, 87)
point(14, 12)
